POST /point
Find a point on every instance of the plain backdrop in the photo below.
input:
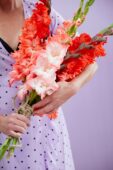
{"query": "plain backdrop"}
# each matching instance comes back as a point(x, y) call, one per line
point(89, 114)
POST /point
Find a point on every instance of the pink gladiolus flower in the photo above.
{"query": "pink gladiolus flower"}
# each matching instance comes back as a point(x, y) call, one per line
point(55, 53)
point(23, 90)
point(43, 88)
point(61, 34)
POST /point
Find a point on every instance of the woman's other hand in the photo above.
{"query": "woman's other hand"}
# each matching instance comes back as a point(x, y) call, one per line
point(14, 124)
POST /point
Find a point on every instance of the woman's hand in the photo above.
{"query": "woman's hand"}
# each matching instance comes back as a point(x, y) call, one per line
point(14, 124)
point(66, 89)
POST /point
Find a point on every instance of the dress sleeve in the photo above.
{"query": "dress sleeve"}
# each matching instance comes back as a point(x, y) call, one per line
point(57, 20)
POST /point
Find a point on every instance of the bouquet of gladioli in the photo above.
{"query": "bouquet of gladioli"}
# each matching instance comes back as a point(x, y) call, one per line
point(44, 59)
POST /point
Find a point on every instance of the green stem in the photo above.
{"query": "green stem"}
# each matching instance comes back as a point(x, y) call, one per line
point(33, 98)
point(88, 4)
point(106, 29)
point(5, 147)
point(11, 149)
point(80, 14)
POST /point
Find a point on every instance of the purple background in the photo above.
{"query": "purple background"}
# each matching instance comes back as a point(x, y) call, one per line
point(89, 114)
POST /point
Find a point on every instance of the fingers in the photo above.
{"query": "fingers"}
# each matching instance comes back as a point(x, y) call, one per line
point(17, 125)
point(45, 110)
point(17, 128)
point(21, 119)
point(14, 134)
point(47, 113)
point(18, 122)
point(42, 103)
point(14, 124)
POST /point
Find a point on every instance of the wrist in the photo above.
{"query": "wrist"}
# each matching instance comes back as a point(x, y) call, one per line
point(74, 86)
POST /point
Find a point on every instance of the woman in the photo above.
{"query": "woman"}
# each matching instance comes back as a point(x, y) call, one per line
point(45, 142)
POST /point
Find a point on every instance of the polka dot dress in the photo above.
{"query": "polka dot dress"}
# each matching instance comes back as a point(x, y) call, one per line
point(45, 145)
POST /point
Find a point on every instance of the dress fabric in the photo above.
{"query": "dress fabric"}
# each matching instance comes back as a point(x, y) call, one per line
point(45, 145)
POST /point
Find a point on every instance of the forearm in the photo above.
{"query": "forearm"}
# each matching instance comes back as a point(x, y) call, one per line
point(1, 120)
point(83, 78)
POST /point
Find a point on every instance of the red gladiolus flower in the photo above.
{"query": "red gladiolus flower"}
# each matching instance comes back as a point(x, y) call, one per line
point(99, 51)
point(73, 67)
point(87, 55)
point(74, 44)
point(85, 38)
